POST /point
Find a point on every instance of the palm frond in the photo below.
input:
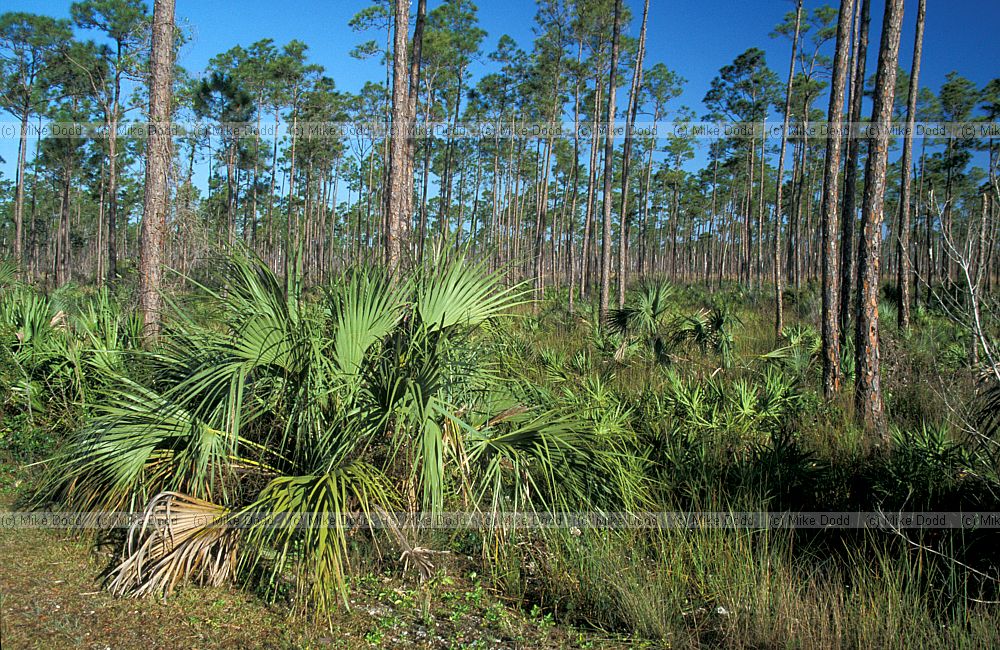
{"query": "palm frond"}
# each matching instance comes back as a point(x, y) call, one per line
point(300, 524)
point(364, 309)
point(138, 443)
point(462, 293)
point(179, 539)
point(529, 458)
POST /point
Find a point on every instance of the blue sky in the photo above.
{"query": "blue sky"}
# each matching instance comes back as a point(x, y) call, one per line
point(694, 38)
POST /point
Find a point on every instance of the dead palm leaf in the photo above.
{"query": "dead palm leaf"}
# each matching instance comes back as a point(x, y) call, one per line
point(179, 538)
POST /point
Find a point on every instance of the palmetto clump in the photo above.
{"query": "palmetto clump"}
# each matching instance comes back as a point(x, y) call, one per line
point(55, 353)
point(263, 438)
point(653, 319)
point(709, 330)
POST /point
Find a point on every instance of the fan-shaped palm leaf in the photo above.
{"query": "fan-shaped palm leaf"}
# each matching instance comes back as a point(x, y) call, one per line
point(463, 293)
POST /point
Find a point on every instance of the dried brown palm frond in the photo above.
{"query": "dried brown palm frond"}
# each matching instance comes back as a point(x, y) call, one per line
point(180, 538)
point(415, 557)
point(59, 321)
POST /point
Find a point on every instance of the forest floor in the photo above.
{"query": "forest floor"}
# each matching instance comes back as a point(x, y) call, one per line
point(51, 596)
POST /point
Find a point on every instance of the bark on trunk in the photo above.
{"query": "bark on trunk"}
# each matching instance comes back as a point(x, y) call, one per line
point(158, 150)
point(869, 407)
point(609, 157)
point(903, 236)
point(849, 206)
point(633, 107)
point(398, 147)
point(778, 279)
point(831, 180)
point(22, 155)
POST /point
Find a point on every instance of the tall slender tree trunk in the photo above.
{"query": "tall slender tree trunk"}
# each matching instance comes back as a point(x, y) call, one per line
point(444, 198)
point(231, 192)
point(61, 257)
point(113, 116)
point(425, 181)
point(22, 156)
point(158, 153)
point(746, 244)
point(256, 169)
point(411, 119)
point(831, 278)
point(576, 182)
point(633, 107)
point(585, 257)
point(869, 406)
point(542, 208)
point(795, 238)
point(33, 240)
point(293, 239)
point(759, 254)
point(778, 280)
point(903, 236)
point(398, 147)
point(609, 159)
point(709, 257)
point(849, 205)
point(112, 211)
point(272, 254)
point(99, 227)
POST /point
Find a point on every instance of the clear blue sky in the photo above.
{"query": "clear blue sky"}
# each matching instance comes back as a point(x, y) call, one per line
point(693, 37)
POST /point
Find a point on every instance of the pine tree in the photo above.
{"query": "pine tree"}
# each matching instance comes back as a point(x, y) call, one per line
point(869, 406)
point(903, 234)
point(831, 187)
point(158, 155)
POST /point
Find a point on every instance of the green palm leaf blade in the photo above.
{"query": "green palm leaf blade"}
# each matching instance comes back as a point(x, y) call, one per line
point(139, 443)
point(462, 293)
point(364, 310)
point(299, 524)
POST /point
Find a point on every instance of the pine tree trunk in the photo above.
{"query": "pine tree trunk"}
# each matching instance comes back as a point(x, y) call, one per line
point(609, 158)
point(406, 209)
point(158, 154)
point(576, 183)
point(585, 258)
point(849, 205)
point(778, 280)
point(22, 155)
point(633, 107)
point(61, 258)
point(903, 236)
point(831, 278)
point(398, 146)
point(112, 212)
point(869, 406)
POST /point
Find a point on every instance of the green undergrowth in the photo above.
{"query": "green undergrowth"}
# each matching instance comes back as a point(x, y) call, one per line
point(682, 401)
